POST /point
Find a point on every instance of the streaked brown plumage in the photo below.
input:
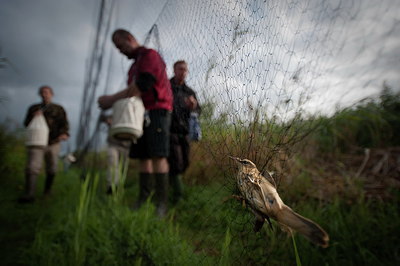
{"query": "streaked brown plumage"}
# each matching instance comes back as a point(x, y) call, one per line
point(265, 203)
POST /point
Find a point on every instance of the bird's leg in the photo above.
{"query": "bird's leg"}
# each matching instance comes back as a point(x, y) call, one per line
point(269, 222)
point(258, 224)
point(259, 221)
point(234, 196)
point(239, 198)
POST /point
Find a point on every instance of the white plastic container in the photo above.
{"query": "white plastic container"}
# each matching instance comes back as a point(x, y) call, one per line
point(127, 119)
point(37, 132)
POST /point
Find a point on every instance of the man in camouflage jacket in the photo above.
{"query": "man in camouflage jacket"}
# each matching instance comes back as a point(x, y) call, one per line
point(57, 122)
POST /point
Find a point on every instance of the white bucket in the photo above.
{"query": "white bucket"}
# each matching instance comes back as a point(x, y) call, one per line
point(127, 119)
point(37, 132)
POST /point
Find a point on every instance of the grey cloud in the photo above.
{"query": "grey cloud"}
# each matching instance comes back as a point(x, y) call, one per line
point(347, 48)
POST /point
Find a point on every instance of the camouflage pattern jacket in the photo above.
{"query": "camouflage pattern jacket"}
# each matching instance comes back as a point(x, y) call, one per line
point(56, 119)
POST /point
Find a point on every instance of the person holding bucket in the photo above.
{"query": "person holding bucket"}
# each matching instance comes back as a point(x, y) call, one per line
point(47, 125)
point(117, 153)
point(147, 79)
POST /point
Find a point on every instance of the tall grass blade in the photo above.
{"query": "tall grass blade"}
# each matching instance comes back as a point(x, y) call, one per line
point(296, 253)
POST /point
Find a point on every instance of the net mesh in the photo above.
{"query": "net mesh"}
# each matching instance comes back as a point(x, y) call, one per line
point(259, 64)
point(260, 68)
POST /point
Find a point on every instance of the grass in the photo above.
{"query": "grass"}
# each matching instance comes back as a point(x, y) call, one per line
point(81, 225)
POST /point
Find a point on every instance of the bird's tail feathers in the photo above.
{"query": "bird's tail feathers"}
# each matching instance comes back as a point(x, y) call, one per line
point(304, 226)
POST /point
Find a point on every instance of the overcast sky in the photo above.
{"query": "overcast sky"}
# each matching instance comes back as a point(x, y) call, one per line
point(49, 42)
point(342, 51)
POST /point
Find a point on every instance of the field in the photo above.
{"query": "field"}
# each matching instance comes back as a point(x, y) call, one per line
point(346, 178)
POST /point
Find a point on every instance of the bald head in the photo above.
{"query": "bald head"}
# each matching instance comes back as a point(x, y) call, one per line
point(125, 42)
point(121, 33)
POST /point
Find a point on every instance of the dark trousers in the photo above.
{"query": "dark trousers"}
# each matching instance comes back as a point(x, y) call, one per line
point(179, 154)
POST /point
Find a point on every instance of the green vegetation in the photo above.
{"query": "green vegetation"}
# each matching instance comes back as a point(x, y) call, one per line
point(81, 225)
point(369, 124)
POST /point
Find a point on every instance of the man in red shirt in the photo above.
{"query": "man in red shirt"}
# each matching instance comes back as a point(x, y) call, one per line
point(147, 78)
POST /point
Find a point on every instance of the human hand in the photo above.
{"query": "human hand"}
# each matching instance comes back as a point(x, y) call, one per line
point(133, 90)
point(106, 119)
point(105, 101)
point(38, 112)
point(191, 102)
point(63, 137)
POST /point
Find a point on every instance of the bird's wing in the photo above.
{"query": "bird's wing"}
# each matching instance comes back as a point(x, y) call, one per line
point(261, 195)
point(269, 178)
point(270, 196)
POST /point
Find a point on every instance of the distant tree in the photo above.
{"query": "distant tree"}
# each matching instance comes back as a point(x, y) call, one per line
point(4, 62)
point(390, 105)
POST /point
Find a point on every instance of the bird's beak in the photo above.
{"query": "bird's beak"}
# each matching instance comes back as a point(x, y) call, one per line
point(234, 158)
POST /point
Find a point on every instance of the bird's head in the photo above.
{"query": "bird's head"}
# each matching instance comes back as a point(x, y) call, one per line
point(244, 164)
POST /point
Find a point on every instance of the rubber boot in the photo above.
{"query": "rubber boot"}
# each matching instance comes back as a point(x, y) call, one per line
point(175, 182)
point(145, 187)
point(30, 186)
point(161, 194)
point(48, 184)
